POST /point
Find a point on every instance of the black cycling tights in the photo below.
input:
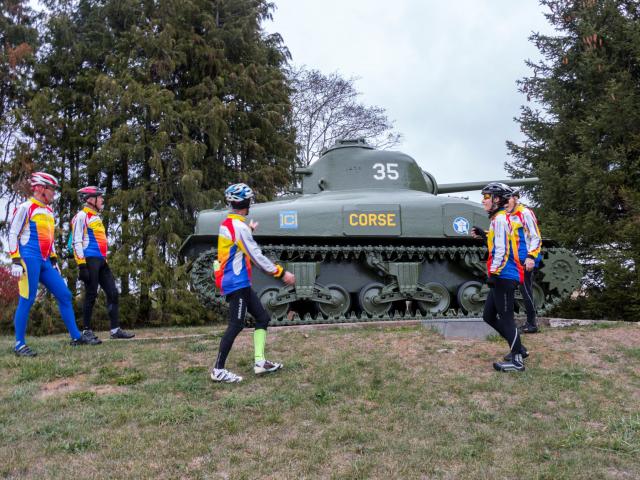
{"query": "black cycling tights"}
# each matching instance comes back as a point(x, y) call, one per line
point(240, 302)
point(526, 289)
point(498, 312)
point(100, 274)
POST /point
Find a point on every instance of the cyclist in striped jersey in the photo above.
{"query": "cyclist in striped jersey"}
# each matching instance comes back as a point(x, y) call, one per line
point(34, 261)
point(236, 250)
point(529, 245)
point(504, 273)
point(89, 244)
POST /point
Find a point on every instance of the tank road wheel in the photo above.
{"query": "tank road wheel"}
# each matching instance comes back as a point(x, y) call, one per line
point(366, 298)
point(202, 278)
point(340, 304)
point(538, 298)
point(266, 297)
point(439, 306)
point(466, 299)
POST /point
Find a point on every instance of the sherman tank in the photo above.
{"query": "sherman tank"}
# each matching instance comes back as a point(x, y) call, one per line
point(372, 236)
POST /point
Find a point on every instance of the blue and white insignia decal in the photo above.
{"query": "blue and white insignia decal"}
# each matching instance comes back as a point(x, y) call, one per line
point(461, 225)
point(289, 219)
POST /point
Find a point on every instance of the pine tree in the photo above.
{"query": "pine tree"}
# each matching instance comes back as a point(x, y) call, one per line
point(163, 103)
point(583, 141)
point(18, 44)
point(204, 104)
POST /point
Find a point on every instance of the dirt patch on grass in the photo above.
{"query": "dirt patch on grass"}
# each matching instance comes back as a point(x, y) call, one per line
point(122, 363)
point(62, 386)
point(482, 401)
point(615, 473)
point(107, 389)
point(585, 349)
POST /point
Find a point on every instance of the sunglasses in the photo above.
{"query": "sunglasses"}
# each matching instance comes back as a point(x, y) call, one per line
point(486, 196)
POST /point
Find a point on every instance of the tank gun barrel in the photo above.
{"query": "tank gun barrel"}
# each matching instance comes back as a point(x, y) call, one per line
point(469, 186)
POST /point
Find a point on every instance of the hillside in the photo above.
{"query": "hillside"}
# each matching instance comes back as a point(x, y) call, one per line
point(350, 403)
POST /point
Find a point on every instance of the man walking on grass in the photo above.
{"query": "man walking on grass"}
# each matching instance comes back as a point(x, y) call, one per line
point(525, 225)
point(89, 241)
point(504, 273)
point(34, 261)
point(236, 250)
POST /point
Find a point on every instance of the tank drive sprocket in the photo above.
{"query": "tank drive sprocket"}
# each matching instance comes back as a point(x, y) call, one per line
point(562, 271)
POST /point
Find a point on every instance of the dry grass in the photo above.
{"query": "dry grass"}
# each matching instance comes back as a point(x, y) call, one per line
point(362, 403)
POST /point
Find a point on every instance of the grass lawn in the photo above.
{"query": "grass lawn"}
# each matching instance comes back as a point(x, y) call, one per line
point(350, 403)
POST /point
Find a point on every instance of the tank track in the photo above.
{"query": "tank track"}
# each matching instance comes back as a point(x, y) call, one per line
point(559, 276)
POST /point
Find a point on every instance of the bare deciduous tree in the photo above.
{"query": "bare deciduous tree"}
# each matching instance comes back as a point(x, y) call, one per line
point(326, 108)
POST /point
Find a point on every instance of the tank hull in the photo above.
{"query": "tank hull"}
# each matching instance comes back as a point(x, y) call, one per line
point(385, 215)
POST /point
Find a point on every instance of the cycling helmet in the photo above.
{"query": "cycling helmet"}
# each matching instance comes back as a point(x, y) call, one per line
point(239, 195)
point(86, 193)
point(238, 192)
point(500, 192)
point(498, 189)
point(44, 179)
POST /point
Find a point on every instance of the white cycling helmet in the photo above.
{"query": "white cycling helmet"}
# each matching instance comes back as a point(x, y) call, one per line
point(44, 179)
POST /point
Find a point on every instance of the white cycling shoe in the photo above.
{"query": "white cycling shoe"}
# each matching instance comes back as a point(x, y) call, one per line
point(224, 376)
point(265, 366)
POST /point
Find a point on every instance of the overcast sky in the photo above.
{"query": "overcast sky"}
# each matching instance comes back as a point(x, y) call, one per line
point(444, 71)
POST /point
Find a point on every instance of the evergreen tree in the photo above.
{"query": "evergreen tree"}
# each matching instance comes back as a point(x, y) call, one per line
point(163, 103)
point(199, 100)
point(63, 121)
point(583, 141)
point(18, 43)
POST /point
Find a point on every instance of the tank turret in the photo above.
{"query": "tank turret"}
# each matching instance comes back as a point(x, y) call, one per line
point(369, 237)
point(365, 167)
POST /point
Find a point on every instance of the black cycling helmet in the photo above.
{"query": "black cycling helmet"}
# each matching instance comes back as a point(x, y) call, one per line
point(498, 189)
point(500, 192)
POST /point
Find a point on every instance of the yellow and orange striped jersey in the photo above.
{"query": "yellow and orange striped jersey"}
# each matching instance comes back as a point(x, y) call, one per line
point(502, 243)
point(32, 230)
point(236, 250)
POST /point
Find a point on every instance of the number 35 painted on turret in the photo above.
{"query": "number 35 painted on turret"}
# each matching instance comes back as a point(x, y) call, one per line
point(386, 170)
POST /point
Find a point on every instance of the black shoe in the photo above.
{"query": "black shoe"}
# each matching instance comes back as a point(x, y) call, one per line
point(24, 351)
point(89, 334)
point(85, 340)
point(122, 334)
point(524, 352)
point(528, 328)
point(515, 365)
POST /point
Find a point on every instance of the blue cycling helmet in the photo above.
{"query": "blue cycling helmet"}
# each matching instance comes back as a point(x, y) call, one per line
point(238, 195)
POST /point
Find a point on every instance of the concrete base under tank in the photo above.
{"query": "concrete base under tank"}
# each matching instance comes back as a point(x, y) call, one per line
point(472, 328)
point(460, 327)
